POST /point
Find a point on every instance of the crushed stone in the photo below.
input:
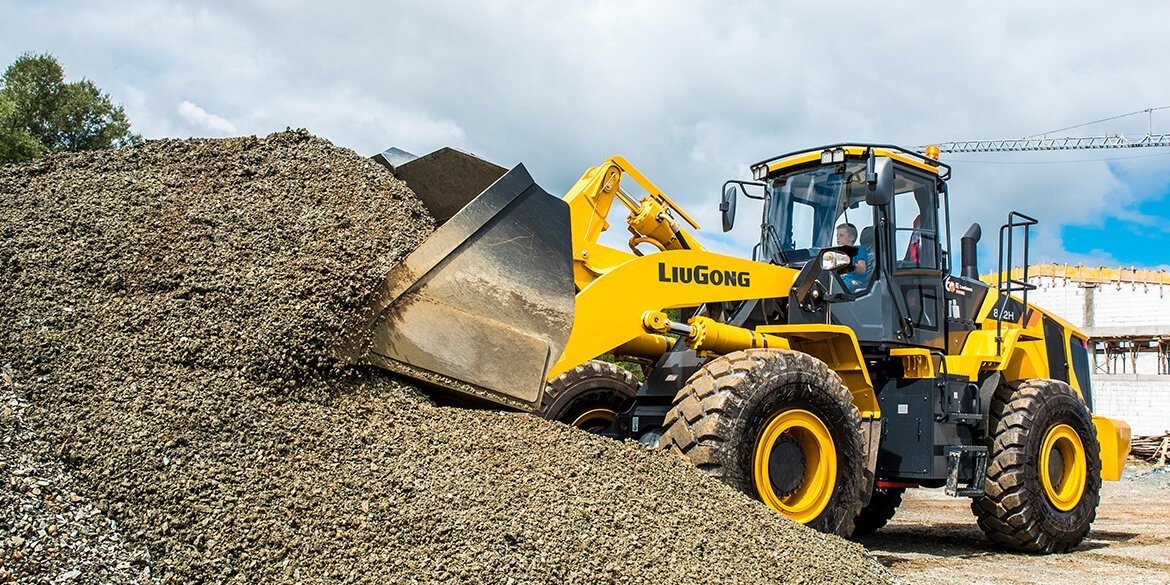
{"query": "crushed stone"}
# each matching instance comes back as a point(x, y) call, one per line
point(47, 529)
point(166, 315)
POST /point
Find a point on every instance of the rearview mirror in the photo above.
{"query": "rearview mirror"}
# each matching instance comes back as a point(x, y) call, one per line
point(727, 205)
point(879, 175)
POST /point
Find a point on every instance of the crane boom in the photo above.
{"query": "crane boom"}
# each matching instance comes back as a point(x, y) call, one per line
point(1038, 144)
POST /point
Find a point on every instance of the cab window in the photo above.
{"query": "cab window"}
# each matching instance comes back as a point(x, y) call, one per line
point(915, 222)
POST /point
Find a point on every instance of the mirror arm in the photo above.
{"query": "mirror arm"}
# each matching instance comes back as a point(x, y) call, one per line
point(743, 188)
point(871, 170)
point(727, 199)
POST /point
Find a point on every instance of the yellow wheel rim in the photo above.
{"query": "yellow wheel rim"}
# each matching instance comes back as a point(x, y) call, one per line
point(1063, 467)
point(820, 464)
point(596, 415)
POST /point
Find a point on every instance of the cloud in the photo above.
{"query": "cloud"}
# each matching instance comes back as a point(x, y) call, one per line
point(203, 121)
point(691, 92)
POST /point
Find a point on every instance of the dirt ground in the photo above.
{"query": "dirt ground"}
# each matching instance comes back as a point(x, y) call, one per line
point(934, 539)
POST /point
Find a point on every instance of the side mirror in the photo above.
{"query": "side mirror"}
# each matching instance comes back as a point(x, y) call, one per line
point(879, 175)
point(838, 259)
point(727, 205)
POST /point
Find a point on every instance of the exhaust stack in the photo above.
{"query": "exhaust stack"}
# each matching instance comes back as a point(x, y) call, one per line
point(969, 256)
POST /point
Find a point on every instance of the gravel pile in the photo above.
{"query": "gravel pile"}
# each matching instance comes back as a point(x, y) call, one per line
point(50, 531)
point(164, 312)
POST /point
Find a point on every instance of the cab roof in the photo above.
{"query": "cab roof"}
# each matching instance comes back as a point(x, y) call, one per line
point(849, 150)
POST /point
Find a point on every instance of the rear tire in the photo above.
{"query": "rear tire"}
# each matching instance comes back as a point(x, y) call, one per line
point(779, 426)
point(589, 396)
point(1044, 469)
point(881, 508)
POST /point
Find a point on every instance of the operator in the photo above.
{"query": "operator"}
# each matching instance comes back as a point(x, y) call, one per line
point(847, 236)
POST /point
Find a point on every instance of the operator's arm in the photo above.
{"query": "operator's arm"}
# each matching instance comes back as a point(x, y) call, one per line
point(861, 260)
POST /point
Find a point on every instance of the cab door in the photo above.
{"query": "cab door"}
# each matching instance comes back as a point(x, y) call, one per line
point(917, 257)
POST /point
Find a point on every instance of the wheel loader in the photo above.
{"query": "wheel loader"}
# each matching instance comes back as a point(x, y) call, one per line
point(839, 366)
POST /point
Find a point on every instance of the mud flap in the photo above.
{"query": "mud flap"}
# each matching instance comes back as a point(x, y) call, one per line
point(484, 306)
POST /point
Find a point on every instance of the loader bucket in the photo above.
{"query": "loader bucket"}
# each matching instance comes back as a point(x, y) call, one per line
point(445, 180)
point(484, 306)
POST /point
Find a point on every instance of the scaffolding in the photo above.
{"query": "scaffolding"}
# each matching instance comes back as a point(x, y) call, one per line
point(1118, 355)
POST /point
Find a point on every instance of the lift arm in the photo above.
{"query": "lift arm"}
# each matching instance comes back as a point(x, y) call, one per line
point(651, 221)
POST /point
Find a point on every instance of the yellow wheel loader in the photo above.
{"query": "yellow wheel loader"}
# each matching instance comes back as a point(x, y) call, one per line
point(839, 366)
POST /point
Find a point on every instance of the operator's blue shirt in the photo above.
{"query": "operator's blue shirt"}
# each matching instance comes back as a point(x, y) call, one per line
point(856, 280)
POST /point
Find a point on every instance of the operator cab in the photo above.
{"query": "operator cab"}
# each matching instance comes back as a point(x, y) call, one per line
point(827, 205)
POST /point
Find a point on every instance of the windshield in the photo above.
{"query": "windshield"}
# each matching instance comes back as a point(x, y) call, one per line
point(803, 209)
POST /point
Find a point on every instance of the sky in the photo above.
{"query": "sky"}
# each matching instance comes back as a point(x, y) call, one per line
point(690, 92)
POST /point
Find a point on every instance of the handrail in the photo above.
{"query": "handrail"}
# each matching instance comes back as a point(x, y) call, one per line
point(1006, 288)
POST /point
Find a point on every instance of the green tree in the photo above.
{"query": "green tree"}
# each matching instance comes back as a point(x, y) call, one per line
point(40, 112)
point(16, 144)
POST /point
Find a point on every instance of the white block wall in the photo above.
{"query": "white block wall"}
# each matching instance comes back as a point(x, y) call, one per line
point(1060, 297)
point(1141, 401)
point(1114, 305)
point(1131, 305)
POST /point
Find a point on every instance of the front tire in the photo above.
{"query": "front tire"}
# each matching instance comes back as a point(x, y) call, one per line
point(1044, 474)
point(589, 396)
point(777, 425)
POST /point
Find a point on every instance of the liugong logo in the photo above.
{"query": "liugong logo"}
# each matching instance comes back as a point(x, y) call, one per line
point(703, 275)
